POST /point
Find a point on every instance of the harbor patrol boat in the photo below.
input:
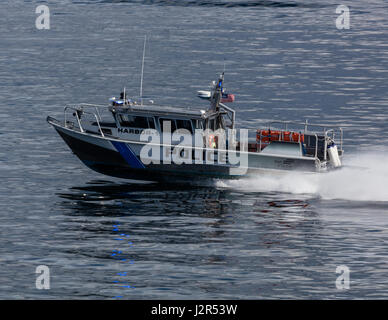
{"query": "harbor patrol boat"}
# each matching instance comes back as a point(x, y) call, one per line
point(143, 141)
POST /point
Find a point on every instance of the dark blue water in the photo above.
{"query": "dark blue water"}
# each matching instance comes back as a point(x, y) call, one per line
point(259, 238)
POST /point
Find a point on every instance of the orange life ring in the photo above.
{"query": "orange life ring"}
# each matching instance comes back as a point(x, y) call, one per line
point(286, 136)
point(262, 135)
point(274, 135)
point(296, 136)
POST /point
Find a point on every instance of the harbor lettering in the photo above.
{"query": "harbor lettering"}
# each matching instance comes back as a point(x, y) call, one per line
point(129, 130)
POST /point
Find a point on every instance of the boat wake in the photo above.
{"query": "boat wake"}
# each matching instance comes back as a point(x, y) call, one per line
point(362, 178)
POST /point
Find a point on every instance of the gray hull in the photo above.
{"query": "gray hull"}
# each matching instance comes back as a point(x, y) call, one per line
point(120, 158)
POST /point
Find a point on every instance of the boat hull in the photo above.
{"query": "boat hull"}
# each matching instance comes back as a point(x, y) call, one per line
point(118, 158)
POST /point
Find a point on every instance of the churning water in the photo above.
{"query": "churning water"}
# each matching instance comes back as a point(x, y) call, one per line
point(265, 237)
point(363, 178)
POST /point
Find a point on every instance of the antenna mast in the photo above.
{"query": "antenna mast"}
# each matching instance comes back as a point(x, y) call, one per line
point(142, 71)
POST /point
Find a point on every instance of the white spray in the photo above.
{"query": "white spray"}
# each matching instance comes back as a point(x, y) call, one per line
point(362, 178)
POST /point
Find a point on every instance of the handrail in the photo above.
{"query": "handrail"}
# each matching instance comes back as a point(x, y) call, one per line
point(79, 119)
point(90, 105)
point(307, 125)
point(334, 129)
point(76, 115)
point(302, 124)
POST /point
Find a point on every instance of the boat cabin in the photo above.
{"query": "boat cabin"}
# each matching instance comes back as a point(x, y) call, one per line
point(129, 121)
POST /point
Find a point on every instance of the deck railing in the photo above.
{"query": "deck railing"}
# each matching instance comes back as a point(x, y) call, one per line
point(79, 110)
point(327, 131)
point(304, 127)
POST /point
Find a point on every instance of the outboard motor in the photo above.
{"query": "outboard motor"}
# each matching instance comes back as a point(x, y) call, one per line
point(332, 151)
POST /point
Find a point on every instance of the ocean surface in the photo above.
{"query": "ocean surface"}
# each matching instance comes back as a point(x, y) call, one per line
point(259, 238)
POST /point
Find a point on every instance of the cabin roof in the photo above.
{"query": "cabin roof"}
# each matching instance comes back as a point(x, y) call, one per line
point(157, 110)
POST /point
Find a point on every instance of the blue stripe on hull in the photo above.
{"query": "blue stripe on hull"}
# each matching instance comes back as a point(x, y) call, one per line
point(128, 155)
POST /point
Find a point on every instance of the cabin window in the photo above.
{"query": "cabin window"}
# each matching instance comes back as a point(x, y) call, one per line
point(220, 123)
point(151, 123)
point(199, 124)
point(215, 123)
point(211, 124)
point(133, 121)
point(172, 121)
point(184, 124)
